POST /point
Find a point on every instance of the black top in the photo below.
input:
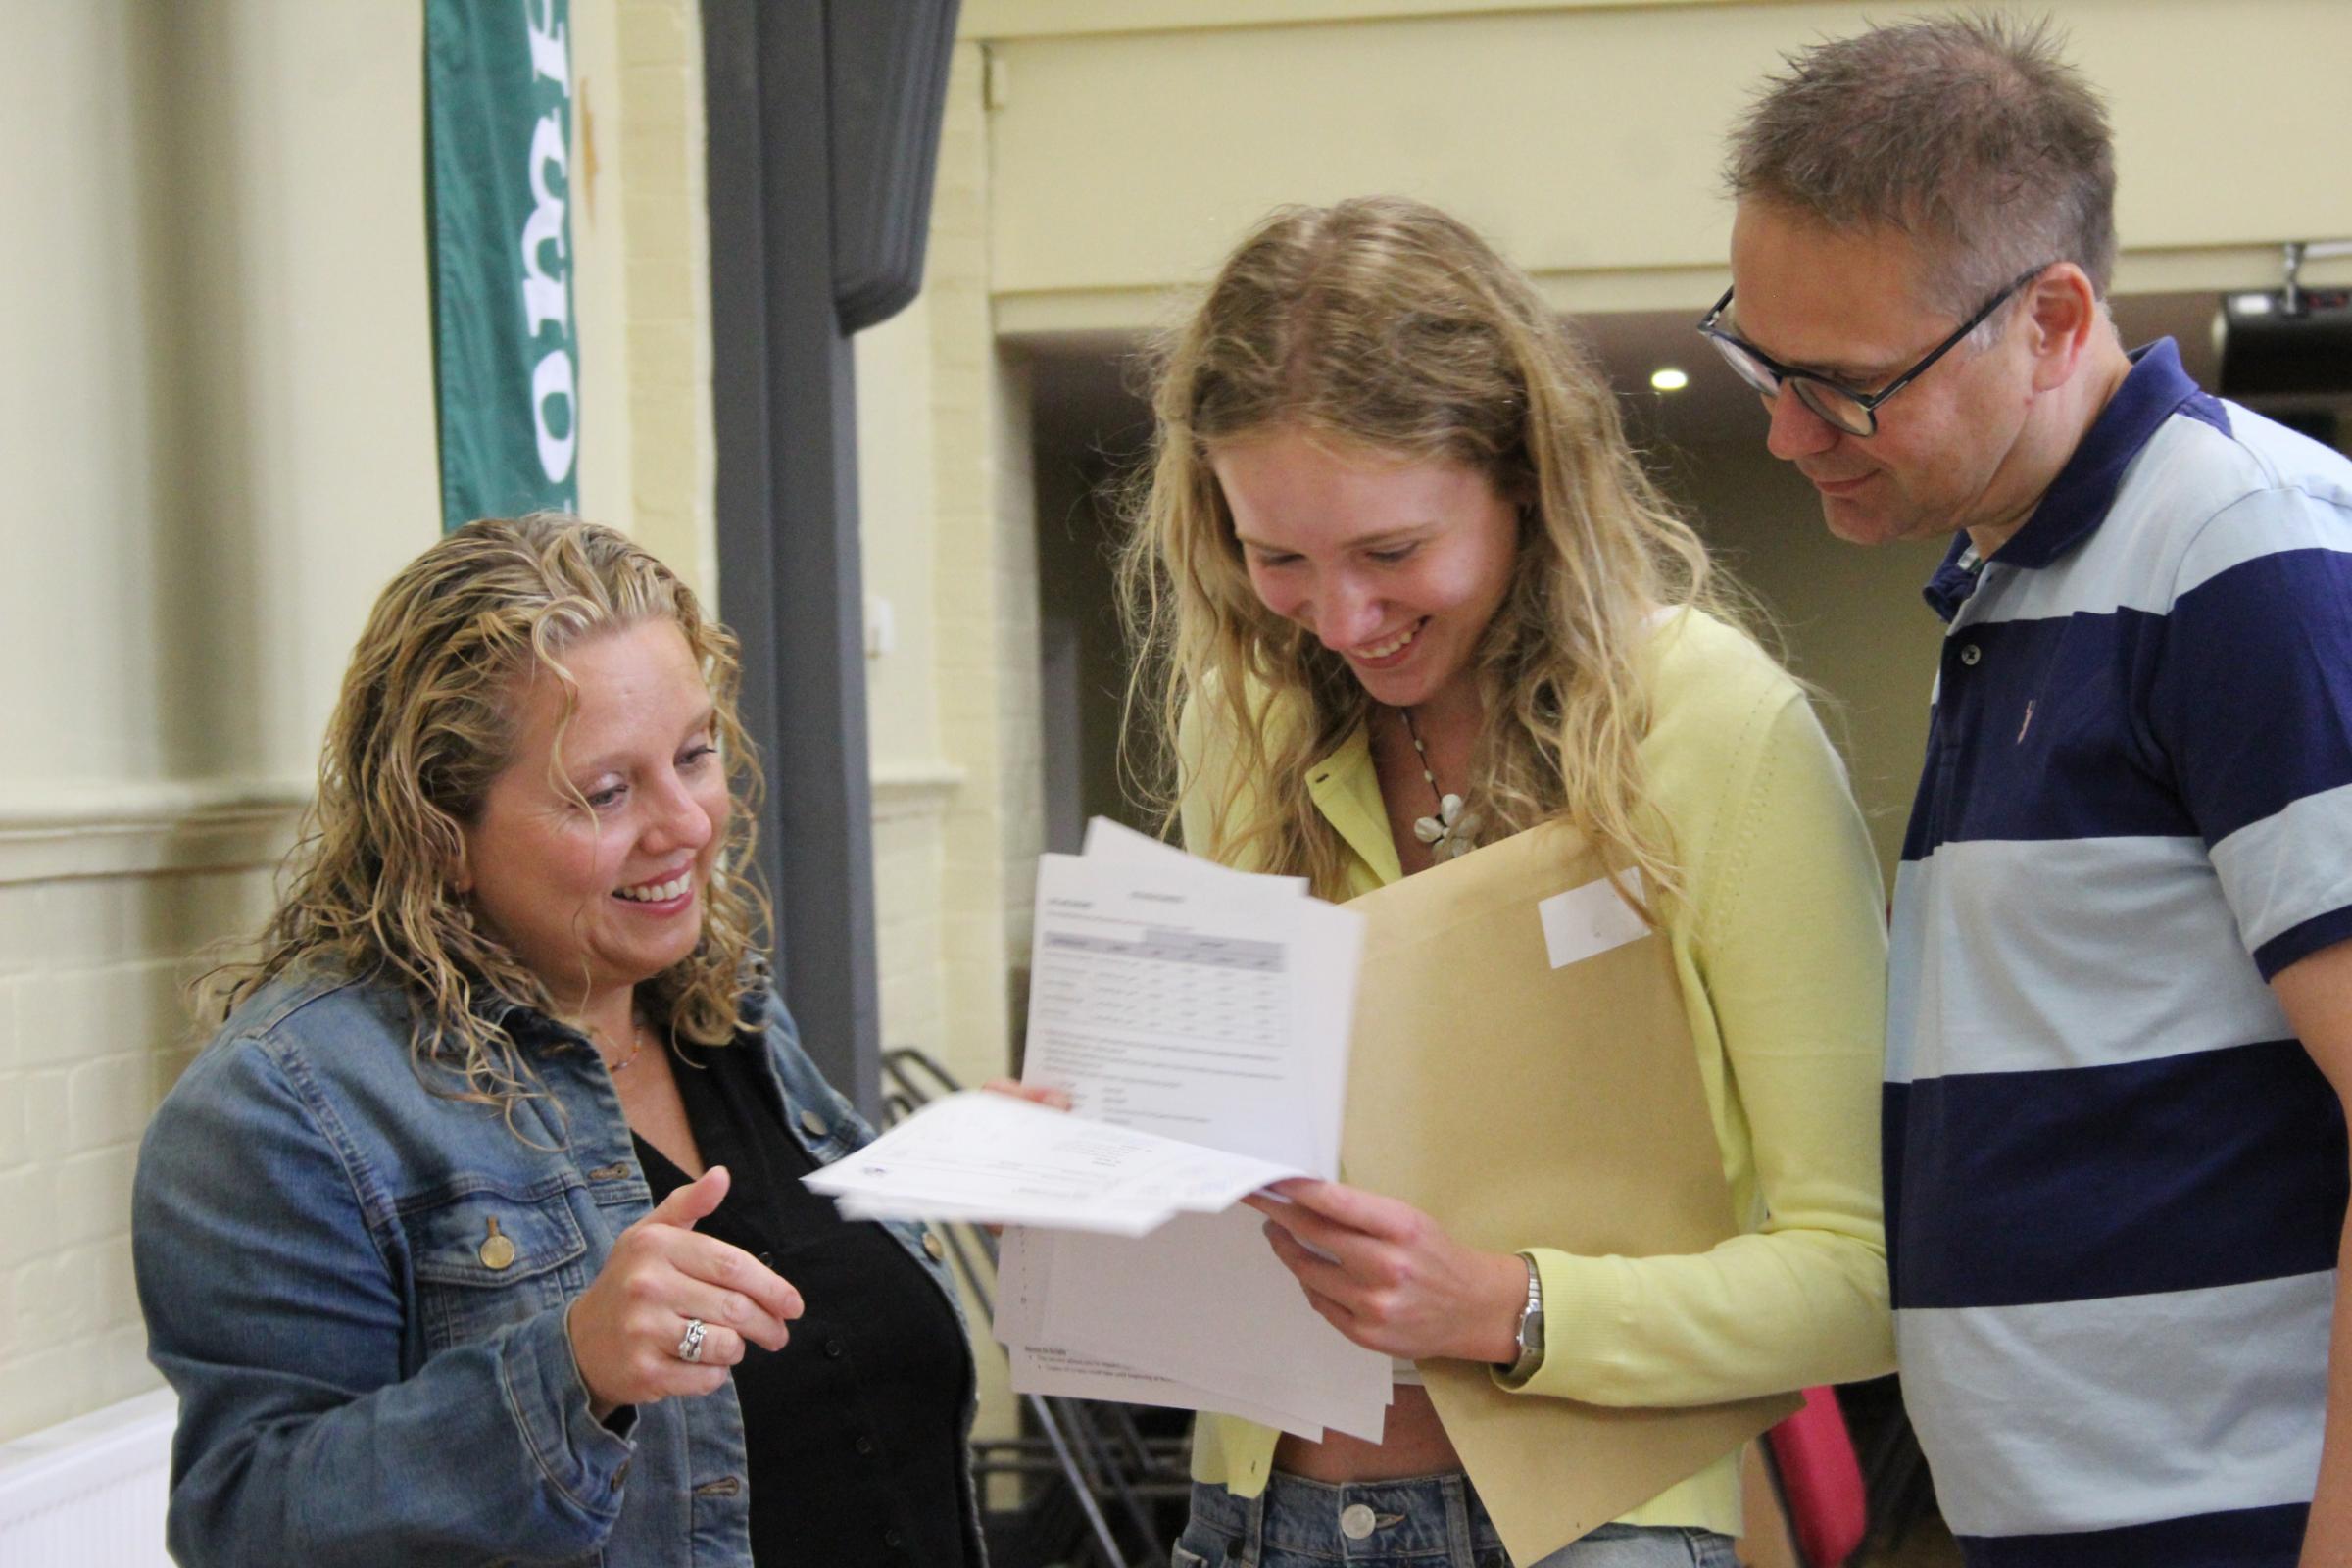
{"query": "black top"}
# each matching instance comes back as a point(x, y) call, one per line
point(855, 1429)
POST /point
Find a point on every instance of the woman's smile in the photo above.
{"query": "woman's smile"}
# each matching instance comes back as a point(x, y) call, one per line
point(1389, 651)
point(662, 895)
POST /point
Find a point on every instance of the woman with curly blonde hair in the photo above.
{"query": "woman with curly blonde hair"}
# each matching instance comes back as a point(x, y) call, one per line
point(1400, 588)
point(477, 1234)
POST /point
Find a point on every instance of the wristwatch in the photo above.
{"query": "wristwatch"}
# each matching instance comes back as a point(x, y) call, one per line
point(1530, 1332)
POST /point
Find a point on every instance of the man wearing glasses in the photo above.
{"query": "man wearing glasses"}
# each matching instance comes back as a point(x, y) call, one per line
point(2121, 1008)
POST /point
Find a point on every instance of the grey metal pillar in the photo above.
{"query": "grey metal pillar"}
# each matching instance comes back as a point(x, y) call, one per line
point(824, 129)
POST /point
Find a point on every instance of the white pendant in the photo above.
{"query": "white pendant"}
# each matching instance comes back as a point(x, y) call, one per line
point(1449, 833)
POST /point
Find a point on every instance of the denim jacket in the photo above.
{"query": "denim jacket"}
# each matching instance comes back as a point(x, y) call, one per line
point(361, 1379)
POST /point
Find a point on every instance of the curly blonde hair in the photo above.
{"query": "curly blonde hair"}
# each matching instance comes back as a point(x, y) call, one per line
point(426, 722)
point(1385, 323)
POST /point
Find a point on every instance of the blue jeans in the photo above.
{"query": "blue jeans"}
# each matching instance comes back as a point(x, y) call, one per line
point(1425, 1522)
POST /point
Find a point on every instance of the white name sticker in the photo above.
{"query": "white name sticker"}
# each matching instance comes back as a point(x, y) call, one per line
point(1590, 920)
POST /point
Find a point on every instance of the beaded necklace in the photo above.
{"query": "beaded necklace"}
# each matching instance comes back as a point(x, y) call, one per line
point(1453, 832)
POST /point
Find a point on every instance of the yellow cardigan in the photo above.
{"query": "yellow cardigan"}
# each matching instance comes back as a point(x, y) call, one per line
point(1781, 948)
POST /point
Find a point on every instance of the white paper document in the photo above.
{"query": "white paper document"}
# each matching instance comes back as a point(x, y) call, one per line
point(1040, 1366)
point(1214, 1307)
point(1172, 995)
point(994, 1160)
point(1198, 1019)
point(1180, 997)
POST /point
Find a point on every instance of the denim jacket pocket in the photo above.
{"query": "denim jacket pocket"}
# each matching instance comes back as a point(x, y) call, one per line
point(485, 1258)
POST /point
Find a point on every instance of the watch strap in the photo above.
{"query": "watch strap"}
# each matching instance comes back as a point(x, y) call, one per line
point(1530, 1330)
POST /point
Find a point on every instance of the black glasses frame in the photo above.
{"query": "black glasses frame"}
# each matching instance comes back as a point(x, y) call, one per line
point(1733, 347)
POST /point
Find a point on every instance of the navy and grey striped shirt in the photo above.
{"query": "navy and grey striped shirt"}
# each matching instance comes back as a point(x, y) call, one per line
point(2115, 1181)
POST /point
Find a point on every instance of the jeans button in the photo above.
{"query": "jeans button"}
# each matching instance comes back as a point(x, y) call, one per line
point(1355, 1521)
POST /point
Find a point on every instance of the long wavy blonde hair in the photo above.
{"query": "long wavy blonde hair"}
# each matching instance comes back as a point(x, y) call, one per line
point(426, 721)
point(1385, 323)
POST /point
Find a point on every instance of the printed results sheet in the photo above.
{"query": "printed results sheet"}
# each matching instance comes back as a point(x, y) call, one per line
point(1175, 997)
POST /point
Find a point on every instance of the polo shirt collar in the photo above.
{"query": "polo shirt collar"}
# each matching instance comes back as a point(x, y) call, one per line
point(2080, 498)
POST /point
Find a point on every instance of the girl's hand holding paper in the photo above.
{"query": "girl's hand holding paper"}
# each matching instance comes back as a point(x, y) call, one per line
point(1390, 1278)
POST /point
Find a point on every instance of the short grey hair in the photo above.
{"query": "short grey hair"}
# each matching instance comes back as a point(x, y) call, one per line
point(1971, 133)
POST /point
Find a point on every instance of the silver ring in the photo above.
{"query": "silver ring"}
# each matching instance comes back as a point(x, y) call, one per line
point(690, 1343)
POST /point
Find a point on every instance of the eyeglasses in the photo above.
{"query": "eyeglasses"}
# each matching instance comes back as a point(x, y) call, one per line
point(1854, 413)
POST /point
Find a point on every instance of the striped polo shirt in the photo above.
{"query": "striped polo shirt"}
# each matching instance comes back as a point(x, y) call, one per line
point(2115, 1181)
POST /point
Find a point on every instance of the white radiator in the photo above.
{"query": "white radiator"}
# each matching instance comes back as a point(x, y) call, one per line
point(89, 1493)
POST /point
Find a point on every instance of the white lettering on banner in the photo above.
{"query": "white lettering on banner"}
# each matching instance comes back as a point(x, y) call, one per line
point(552, 380)
point(546, 294)
point(550, 54)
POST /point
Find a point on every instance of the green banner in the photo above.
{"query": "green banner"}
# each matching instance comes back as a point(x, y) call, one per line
point(505, 361)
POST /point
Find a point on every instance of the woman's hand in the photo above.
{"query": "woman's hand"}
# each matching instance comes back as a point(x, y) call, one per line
point(1035, 1093)
point(625, 1327)
point(1390, 1278)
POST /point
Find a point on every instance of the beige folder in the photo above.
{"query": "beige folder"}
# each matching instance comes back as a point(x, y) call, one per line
point(1526, 1105)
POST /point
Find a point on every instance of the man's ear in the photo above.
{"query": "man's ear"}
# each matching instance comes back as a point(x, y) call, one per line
point(2063, 314)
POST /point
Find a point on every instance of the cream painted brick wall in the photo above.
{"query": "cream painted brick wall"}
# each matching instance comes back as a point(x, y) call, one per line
point(1017, 643)
point(93, 1032)
point(222, 169)
point(665, 246)
point(984, 602)
point(907, 927)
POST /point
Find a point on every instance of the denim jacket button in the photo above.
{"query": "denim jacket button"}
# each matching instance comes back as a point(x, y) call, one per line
point(931, 1245)
point(813, 1125)
point(621, 1472)
point(497, 1250)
